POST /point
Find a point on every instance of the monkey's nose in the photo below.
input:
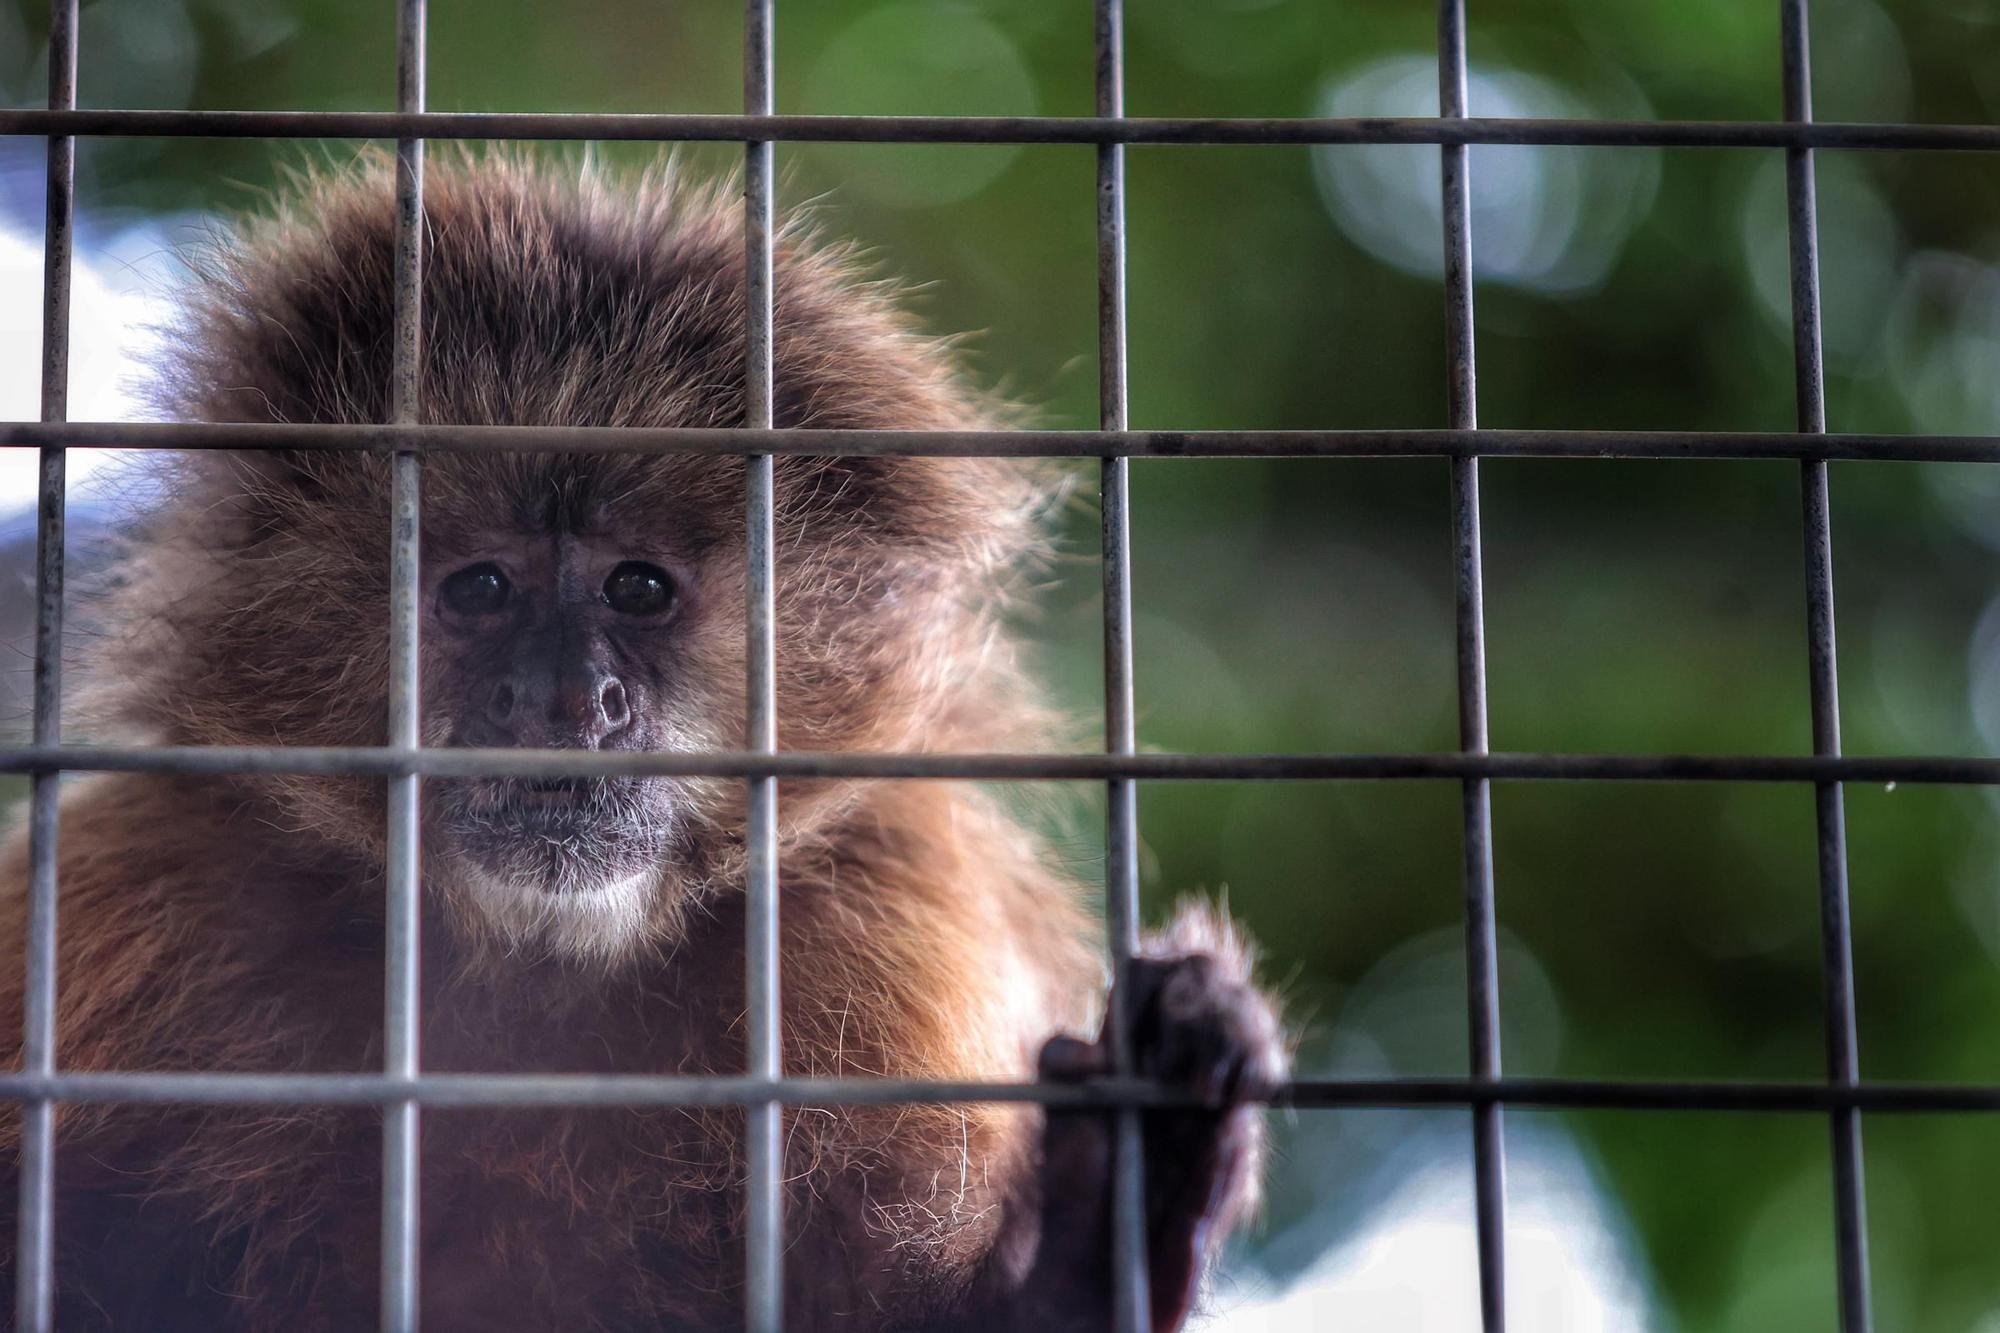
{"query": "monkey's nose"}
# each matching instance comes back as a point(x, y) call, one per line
point(589, 711)
point(584, 710)
point(612, 707)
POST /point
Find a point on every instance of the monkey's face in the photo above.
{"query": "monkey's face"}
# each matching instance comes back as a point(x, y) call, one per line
point(563, 641)
point(579, 602)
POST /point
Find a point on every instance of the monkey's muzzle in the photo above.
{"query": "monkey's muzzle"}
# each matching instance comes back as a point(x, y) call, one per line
point(559, 833)
point(544, 806)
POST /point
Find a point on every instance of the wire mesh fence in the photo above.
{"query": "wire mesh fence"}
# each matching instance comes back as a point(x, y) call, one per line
point(403, 1089)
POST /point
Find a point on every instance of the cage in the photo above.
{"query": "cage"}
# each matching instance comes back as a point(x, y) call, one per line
point(403, 1089)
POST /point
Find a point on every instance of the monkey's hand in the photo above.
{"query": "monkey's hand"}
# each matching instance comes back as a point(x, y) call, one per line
point(1195, 1023)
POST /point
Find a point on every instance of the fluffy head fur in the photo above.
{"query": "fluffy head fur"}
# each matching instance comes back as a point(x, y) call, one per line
point(561, 298)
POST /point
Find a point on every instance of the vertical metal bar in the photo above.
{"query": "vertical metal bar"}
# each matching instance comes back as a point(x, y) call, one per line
point(401, 1204)
point(765, 1206)
point(1836, 943)
point(34, 1269)
point(1482, 971)
point(1131, 1302)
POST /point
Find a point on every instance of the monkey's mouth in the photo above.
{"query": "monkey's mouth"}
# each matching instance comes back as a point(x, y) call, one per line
point(553, 799)
point(561, 833)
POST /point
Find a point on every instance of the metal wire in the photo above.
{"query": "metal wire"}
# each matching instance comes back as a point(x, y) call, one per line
point(1482, 977)
point(402, 1088)
point(34, 1268)
point(615, 1090)
point(809, 441)
point(765, 1206)
point(1247, 131)
point(1837, 951)
point(1131, 1294)
point(402, 1016)
point(1088, 767)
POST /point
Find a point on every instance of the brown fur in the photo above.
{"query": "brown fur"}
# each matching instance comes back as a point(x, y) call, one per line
point(235, 924)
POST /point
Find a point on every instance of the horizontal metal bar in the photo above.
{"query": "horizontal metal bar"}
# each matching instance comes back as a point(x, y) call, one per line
point(1415, 443)
point(361, 761)
point(628, 1090)
point(992, 129)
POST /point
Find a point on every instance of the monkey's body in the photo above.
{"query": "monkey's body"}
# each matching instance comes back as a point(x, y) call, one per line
point(236, 924)
point(533, 1219)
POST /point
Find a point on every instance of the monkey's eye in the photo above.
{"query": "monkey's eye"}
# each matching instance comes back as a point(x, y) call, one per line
point(476, 590)
point(636, 588)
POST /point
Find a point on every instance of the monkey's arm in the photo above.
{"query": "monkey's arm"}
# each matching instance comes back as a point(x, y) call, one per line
point(1195, 1021)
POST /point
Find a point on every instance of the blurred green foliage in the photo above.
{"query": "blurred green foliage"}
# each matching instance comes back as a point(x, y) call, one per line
point(1306, 605)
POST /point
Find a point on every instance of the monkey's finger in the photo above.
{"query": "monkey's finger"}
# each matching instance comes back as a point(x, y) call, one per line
point(1071, 1060)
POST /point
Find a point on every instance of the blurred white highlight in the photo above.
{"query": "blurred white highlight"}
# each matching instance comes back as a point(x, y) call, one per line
point(1549, 220)
point(1413, 1264)
point(117, 299)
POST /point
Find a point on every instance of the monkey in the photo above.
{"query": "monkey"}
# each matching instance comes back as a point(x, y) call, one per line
point(594, 601)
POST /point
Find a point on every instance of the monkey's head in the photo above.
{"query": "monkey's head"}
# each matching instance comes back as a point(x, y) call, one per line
point(569, 601)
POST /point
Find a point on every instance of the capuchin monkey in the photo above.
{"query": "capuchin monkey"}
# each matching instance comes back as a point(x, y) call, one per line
point(592, 602)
